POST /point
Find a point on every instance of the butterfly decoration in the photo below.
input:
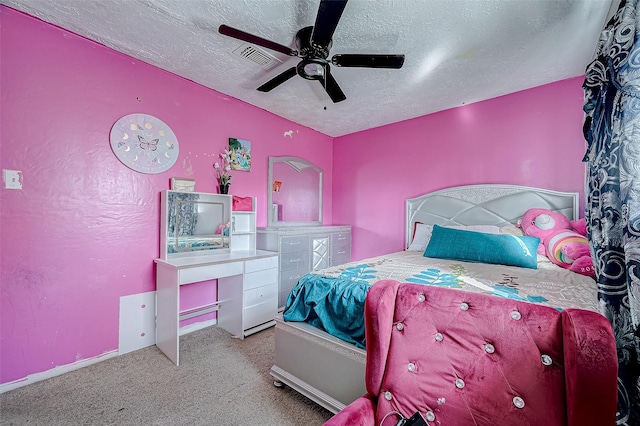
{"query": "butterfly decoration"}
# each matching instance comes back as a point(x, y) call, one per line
point(151, 145)
point(144, 143)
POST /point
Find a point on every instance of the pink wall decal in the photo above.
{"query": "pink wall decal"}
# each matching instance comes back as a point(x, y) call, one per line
point(84, 230)
point(533, 137)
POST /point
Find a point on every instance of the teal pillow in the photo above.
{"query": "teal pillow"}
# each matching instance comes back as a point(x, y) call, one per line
point(470, 246)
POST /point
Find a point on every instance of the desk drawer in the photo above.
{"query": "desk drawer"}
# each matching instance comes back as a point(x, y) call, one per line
point(260, 278)
point(260, 313)
point(260, 264)
point(209, 272)
point(294, 260)
point(259, 295)
point(294, 243)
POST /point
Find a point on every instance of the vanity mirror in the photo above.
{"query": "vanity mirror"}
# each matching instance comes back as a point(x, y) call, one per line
point(193, 223)
point(295, 192)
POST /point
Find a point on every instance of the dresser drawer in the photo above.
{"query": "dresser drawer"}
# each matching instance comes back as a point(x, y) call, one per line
point(341, 252)
point(294, 260)
point(294, 243)
point(260, 264)
point(260, 278)
point(260, 313)
point(341, 239)
point(340, 260)
point(290, 278)
point(287, 280)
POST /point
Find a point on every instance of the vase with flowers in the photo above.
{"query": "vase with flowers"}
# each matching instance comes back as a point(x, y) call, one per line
point(223, 171)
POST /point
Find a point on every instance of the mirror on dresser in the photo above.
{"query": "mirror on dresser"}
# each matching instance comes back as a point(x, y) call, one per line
point(295, 192)
point(295, 229)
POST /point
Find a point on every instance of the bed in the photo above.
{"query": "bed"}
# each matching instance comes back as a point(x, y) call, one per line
point(329, 368)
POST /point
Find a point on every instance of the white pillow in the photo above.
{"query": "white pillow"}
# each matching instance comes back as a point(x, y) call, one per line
point(423, 232)
point(511, 229)
point(420, 237)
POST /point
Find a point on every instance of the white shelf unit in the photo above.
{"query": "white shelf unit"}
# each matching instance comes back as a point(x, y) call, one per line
point(243, 228)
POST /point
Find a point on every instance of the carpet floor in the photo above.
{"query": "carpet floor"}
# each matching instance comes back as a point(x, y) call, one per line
point(220, 381)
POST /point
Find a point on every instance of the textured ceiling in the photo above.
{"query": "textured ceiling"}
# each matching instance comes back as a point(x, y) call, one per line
point(457, 51)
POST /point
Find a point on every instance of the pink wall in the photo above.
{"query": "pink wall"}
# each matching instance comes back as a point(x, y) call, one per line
point(531, 138)
point(84, 230)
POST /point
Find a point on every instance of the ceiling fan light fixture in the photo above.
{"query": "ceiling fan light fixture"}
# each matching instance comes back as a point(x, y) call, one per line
point(314, 43)
point(312, 68)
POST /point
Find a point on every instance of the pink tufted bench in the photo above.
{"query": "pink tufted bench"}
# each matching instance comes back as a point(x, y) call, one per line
point(464, 358)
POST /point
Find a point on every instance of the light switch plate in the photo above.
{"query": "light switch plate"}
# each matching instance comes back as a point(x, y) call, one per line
point(12, 179)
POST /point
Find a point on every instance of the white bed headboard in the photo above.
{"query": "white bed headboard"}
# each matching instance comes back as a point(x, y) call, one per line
point(490, 204)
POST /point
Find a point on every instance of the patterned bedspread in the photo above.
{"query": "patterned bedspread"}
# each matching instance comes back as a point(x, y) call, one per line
point(333, 299)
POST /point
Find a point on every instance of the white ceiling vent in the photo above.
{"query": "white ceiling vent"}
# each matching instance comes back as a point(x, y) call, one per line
point(257, 56)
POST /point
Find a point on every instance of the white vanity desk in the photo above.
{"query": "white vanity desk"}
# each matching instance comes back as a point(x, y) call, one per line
point(247, 293)
point(195, 246)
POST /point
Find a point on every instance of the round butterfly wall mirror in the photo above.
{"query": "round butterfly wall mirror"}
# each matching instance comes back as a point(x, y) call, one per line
point(144, 143)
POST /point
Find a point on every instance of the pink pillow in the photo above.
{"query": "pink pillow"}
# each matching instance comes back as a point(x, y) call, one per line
point(242, 204)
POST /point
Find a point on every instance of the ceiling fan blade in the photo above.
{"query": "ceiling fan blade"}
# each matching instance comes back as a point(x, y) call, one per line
point(331, 86)
point(278, 80)
point(368, 61)
point(329, 13)
point(253, 39)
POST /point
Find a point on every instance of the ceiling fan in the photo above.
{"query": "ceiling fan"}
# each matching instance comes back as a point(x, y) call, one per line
point(313, 45)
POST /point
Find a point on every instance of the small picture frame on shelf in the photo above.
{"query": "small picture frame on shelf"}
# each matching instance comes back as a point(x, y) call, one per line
point(183, 184)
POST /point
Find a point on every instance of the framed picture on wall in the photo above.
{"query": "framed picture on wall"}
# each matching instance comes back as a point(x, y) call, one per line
point(240, 153)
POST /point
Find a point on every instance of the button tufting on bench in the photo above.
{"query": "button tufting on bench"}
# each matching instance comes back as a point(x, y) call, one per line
point(518, 402)
point(552, 358)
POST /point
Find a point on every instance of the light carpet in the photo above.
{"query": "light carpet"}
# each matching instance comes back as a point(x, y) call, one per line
point(220, 381)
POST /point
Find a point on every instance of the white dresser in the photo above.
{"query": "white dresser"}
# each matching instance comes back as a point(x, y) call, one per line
point(303, 249)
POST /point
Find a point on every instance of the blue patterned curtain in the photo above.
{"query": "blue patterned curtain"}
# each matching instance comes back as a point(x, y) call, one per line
point(612, 131)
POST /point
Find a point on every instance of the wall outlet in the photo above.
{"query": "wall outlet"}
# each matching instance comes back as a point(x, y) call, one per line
point(12, 179)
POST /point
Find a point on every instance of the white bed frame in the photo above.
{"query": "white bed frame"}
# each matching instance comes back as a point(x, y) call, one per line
point(330, 371)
